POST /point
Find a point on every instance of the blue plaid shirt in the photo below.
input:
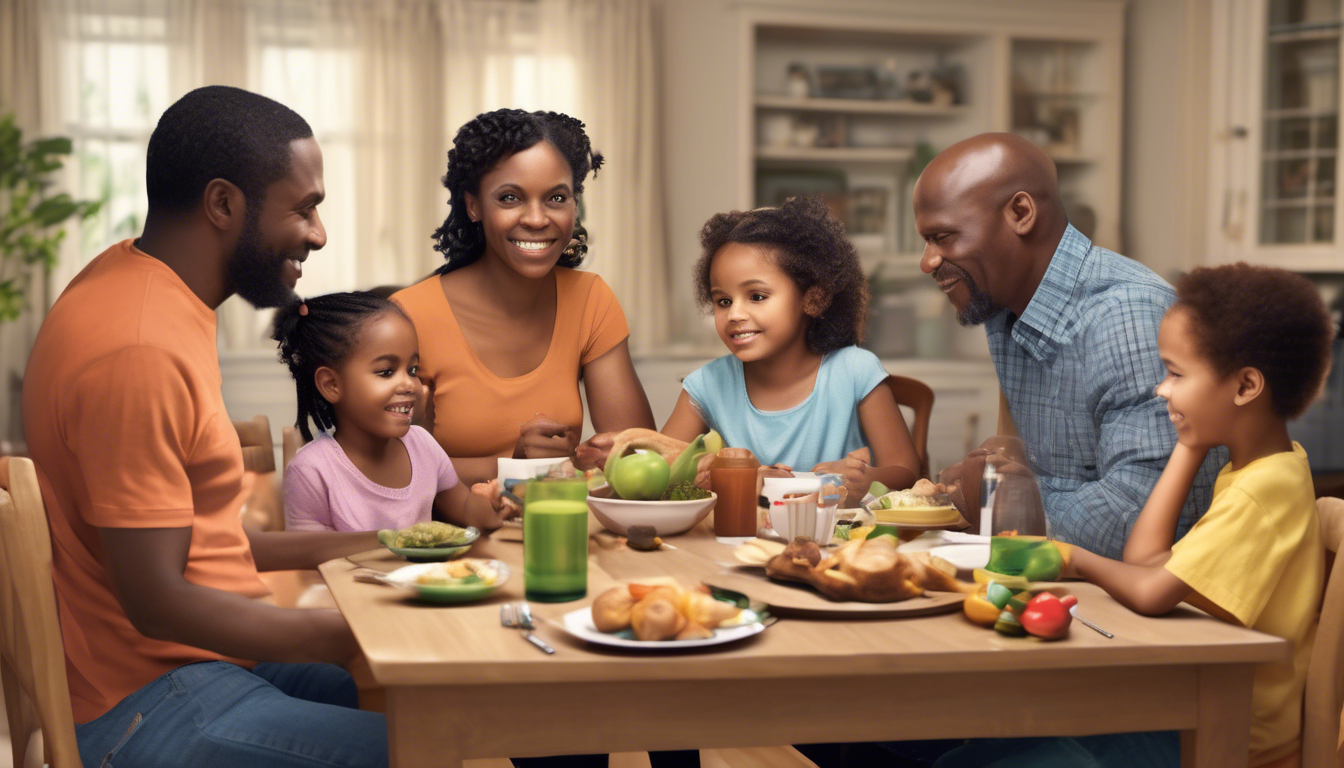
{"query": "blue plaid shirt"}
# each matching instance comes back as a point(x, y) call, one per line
point(1078, 369)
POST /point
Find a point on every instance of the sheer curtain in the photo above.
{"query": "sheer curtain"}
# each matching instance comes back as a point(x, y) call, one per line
point(385, 84)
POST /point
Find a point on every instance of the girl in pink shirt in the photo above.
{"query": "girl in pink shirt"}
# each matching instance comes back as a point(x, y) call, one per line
point(354, 357)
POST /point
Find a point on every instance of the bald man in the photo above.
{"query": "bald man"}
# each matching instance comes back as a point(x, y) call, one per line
point(1072, 330)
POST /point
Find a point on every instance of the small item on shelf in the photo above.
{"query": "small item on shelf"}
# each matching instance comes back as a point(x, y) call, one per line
point(799, 81)
point(917, 86)
point(837, 82)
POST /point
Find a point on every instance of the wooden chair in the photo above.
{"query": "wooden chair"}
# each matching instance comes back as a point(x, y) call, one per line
point(1324, 699)
point(258, 446)
point(918, 396)
point(32, 652)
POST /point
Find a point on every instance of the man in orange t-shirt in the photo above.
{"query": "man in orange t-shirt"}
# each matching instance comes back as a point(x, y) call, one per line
point(171, 660)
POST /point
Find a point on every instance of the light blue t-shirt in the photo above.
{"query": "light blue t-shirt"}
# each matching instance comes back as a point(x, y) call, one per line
point(824, 427)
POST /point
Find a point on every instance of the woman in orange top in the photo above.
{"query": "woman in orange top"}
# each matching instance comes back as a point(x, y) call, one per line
point(508, 327)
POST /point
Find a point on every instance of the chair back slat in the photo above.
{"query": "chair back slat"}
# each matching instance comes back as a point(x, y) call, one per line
point(36, 690)
point(917, 396)
point(1324, 699)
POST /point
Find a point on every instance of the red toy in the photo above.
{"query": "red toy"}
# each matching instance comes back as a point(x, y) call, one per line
point(1047, 616)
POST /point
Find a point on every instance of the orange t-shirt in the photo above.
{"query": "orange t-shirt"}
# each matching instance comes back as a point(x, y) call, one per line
point(477, 413)
point(125, 420)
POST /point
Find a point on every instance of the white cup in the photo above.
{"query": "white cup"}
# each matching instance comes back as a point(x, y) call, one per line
point(526, 469)
point(799, 515)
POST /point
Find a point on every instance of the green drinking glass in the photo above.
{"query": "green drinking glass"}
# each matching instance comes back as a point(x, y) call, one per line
point(555, 540)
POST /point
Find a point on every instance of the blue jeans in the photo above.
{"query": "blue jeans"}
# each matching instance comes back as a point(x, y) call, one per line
point(1153, 749)
point(215, 714)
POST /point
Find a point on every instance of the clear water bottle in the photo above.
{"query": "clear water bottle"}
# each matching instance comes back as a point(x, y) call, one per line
point(989, 485)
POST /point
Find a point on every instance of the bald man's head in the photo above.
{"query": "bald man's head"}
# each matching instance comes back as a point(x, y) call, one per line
point(988, 209)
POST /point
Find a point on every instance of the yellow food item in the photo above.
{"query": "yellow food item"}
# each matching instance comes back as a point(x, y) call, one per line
point(611, 610)
point(861, 532)
point(656, 619)
point(979, 610)
point(917, 515)
point(454, 570)
point(693, 631)
point(705, 611)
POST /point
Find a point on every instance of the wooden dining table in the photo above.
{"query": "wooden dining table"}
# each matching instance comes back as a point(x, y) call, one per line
point(460, 686)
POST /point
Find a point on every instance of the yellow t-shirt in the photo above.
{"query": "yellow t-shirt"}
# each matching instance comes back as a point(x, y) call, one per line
point(1257, 554)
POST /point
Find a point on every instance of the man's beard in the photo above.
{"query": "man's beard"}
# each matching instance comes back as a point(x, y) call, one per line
point(980, 308)
point(256, 271)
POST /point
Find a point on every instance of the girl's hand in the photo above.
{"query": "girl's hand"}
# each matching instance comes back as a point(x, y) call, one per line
point(500, 509)
point(545, 438)
point(853, 471)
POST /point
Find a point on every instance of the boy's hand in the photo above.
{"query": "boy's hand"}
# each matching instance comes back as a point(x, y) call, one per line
point(422, 413)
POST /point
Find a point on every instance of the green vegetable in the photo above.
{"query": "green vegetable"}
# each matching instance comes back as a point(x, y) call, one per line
point(639, 476)
point(683, 469)
point(426, 535)
point(684, 491)
point(878, 490)
point(884, 530)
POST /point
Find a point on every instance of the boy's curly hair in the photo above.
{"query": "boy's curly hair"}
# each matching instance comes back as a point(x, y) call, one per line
point(1263, 318)
point(810, 246)
point(479, 146)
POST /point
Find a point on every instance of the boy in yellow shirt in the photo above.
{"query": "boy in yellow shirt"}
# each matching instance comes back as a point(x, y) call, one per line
point(1246, 349)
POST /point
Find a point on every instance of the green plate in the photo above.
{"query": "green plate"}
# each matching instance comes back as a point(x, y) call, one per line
point(449, 594)
point(428, 554)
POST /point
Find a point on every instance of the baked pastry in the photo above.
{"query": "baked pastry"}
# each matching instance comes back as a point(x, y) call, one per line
point(866, 570)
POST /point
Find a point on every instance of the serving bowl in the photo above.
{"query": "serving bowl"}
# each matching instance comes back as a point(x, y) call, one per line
point(666, 517)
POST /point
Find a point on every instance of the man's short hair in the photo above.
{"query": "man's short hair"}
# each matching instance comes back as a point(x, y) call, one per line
point(218, 132)
point(1263, 318)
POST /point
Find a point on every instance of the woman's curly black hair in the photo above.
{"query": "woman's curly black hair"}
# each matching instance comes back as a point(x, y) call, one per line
point(478, 147)
point(1245, 316)
point(810, 246)
point(322, 337)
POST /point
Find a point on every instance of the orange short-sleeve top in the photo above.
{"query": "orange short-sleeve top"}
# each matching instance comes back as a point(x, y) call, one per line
point(125, 419)
point(477, 413)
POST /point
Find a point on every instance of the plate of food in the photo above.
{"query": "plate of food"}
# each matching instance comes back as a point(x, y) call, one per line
point(865, 578)
point(452, 581)
point(429, 542)
point(924, 505)
point(662, 616)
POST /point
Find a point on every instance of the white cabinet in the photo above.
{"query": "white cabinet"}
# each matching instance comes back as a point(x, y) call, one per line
point(1274, 161)
point(851, 107)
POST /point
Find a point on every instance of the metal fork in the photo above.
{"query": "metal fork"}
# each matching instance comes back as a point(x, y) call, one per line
point(519, 616)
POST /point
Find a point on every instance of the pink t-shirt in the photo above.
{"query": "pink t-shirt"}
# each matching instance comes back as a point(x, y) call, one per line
point(324, 491)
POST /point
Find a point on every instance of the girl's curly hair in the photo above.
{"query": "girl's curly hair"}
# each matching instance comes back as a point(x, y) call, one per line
point(478, 147)
point(319, 332)
point(810, 246)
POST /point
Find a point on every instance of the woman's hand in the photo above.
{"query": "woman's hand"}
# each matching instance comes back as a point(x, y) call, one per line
point(592, 453)
point(545, 438)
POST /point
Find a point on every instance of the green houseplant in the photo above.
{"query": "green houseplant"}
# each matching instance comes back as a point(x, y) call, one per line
point(31, 219)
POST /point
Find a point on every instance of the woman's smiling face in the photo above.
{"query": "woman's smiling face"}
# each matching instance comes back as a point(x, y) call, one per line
point(527, 209)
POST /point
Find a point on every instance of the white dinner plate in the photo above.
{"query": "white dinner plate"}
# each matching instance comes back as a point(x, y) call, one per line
point(579, 623)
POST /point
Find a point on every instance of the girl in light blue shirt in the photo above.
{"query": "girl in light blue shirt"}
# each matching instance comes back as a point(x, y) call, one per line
point(789, 300)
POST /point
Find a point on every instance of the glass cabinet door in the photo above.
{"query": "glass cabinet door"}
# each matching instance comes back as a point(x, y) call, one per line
point(1300, 128)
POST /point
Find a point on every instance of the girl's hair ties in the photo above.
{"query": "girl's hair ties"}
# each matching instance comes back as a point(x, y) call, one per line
point(303, 309)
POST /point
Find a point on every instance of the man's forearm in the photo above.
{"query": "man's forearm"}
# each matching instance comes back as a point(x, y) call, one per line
point(305, 550)
point(245, 628)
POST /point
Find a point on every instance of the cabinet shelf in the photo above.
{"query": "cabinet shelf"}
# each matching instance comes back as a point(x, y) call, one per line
point(835, 154)
point(861, 106)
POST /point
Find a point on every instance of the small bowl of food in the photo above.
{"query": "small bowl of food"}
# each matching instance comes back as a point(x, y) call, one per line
point(675, 515)
point(429, 542)
point(457, 581)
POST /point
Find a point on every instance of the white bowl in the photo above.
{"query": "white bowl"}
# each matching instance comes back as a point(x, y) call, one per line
point(666, 517)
